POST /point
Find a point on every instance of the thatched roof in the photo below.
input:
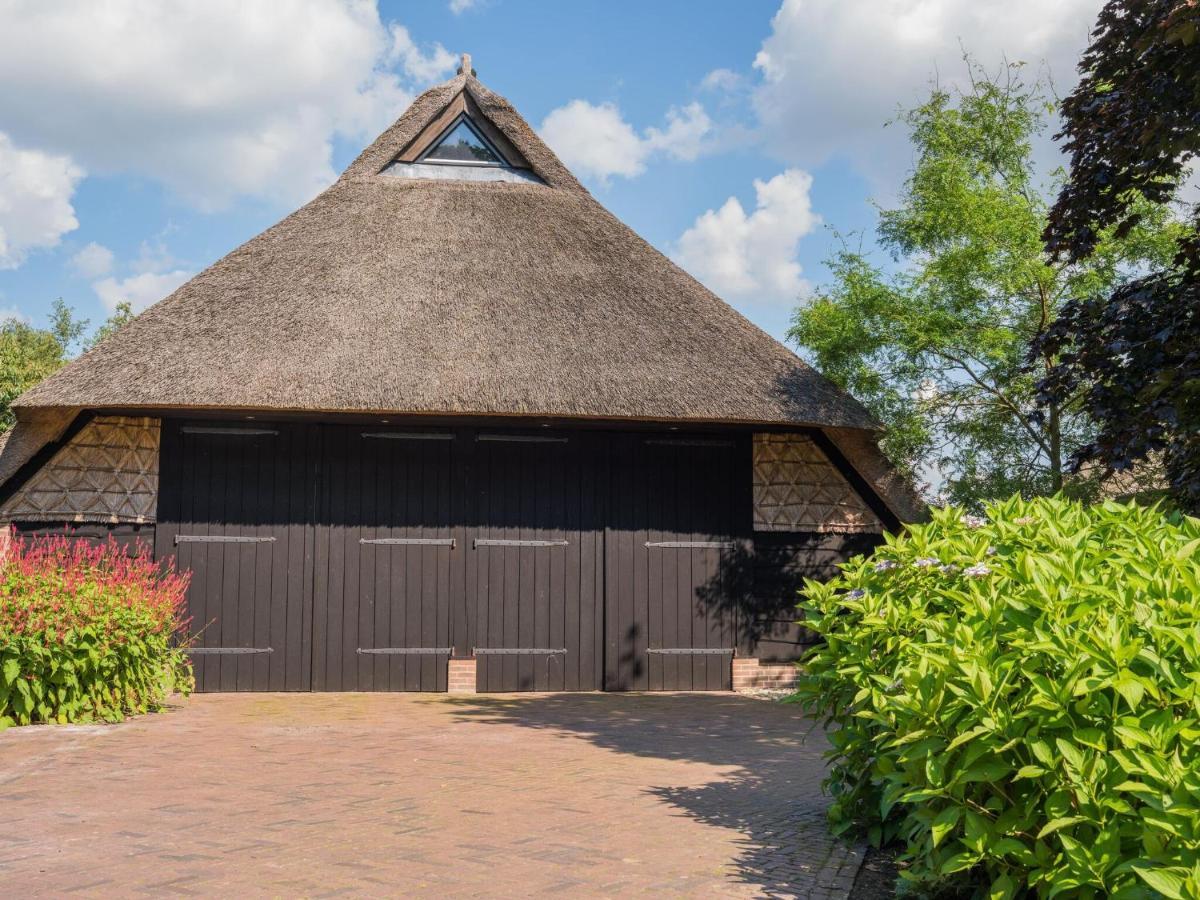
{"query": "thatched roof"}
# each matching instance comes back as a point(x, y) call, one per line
point(408, 295)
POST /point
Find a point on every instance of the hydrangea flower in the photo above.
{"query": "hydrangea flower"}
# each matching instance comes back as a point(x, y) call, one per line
point(885, 565)
point(992, 551)
point(974, 521)
point(857, 594)
point(950, 569)
point(979, 570)
point(925, 562)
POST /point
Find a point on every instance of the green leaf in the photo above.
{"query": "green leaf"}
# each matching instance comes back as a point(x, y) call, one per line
point(944, 823)
point(1168, 881)
point(1002, 888)
point(1055, 824)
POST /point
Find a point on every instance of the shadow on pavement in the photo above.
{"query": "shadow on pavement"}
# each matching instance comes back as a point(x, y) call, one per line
point(771, 797)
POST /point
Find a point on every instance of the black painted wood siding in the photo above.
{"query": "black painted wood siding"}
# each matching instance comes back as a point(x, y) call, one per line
point(564, 560)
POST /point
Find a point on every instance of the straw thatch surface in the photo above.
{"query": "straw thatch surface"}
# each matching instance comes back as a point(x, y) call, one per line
point(399, 295)
point(35, 428)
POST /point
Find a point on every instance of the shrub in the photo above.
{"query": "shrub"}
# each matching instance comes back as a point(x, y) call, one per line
point(1016, 698)
point(87, 632)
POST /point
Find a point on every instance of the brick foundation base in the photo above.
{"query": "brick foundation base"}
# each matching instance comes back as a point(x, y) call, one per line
point(461, 678)
point(751, 675)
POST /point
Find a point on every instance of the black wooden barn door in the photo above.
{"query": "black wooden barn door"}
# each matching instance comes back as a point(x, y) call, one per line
point(533, 579)
point(234, 509)
point(387, 560)
point(671, 561)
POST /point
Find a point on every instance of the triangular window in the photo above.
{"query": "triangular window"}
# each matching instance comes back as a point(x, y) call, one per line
point(463, 145)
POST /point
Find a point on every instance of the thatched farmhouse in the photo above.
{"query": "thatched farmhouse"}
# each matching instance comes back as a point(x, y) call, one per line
point(453, 425)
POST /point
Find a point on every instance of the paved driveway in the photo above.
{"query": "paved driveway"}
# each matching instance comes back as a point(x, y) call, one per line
point(385, 794)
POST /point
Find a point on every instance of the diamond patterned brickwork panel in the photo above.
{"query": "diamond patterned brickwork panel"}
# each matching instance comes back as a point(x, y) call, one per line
point(797, 488)
point(107, 473)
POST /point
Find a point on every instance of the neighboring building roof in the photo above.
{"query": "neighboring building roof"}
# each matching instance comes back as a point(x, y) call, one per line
point(451, 296)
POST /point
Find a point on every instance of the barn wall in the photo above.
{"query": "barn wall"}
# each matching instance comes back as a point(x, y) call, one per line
point(127, 535)
point(618, 546)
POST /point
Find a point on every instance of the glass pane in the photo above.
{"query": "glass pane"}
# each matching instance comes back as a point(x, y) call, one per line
point(462, 144)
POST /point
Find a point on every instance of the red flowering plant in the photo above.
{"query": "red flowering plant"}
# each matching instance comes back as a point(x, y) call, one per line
point(87, 631)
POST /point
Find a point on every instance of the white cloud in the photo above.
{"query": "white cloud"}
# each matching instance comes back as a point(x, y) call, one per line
point(216, 99)
point(832, 72)
point(596, 141)
point(722, 80)
point(92, 261)
point(141, 290)
point(458, 7)
point(431, 66)
point(684, 137)
point(35, 200)
point(752, 256)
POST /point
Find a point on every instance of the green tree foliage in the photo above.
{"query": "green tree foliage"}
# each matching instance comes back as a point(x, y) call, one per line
point(29, 354)
point(1132, 126)
point(935, 343)
point(121, 317)
point(1015, 699)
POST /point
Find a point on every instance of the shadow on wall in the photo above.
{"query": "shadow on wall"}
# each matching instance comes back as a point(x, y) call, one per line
point(758, 587)
point(771, 796)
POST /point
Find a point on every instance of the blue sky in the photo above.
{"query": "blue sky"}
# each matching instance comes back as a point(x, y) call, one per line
point(734, 136)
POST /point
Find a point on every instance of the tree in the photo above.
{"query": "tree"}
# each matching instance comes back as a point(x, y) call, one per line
point(120, 317)
point(28, 354)
point(1133, 352)
point(936, 343)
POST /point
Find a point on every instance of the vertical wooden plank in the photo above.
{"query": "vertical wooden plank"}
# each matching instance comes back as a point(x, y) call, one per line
point(509, 510)
point(431, 558)
point(230, 466)
point(564, 625)
point(351, 530)
point(590, 644)
point(367, 462)
point(464, 583)
point(263, 554)
point(377, 575)
point(683, 581)
point(540, 463)
point(319, 539)
point(281, 489)
point(600, 500)
point(449, 585)
point(655, 488)
point(630, 626)
point(491, 562)
point(298, 620)
point(611, 604)
point(397, 577)
point(413, 577)
point(639, 486)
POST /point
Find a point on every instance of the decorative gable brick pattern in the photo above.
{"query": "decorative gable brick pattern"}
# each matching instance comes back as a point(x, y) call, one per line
point(108, 472)
point(797, 488)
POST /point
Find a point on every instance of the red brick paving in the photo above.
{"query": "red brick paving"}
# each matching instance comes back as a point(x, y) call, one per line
point(421, 794)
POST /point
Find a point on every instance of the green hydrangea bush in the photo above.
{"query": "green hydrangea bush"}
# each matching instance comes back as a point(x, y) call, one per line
point(87, 632)
point(1016, 699)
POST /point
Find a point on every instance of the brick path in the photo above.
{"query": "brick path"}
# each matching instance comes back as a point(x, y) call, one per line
point(385, 794)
